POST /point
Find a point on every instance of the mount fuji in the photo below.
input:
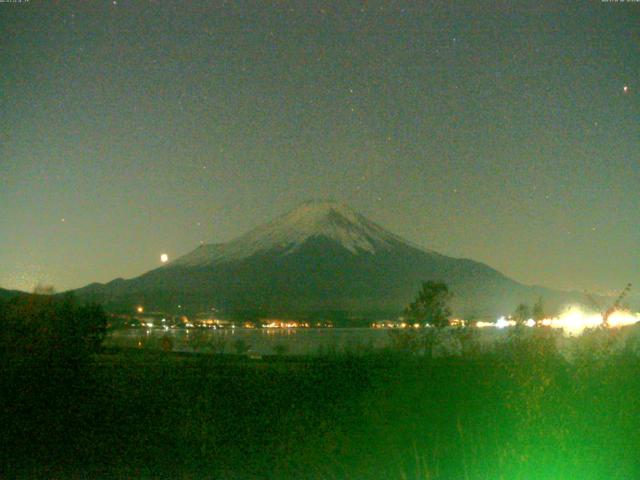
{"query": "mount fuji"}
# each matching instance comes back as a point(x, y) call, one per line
point(334, 222)
point(320, 260)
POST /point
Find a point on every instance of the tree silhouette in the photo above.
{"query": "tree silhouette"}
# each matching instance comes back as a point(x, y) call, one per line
point(431, 305)
point(51, 330)
point(537, 312)
point(521, 314)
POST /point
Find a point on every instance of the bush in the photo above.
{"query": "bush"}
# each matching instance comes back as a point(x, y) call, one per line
point(50, 331)
point(45, 346)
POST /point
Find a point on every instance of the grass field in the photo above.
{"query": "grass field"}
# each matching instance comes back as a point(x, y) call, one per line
point(521, 412)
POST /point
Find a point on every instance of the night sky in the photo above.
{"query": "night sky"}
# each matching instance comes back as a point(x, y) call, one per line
point(506, 132)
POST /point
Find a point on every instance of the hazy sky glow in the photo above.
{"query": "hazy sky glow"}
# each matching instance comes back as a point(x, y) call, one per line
point(496, 131)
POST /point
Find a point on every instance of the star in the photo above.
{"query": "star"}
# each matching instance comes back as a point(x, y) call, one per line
point(625, 89)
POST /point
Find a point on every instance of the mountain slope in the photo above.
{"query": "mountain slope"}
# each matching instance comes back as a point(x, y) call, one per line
point(321, 257)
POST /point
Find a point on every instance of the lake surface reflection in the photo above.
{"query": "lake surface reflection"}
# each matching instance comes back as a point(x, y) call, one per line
point(260, 341)
point(318, 341)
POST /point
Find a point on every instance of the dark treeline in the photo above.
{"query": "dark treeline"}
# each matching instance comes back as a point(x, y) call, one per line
point(50, 331)
point(47, 345)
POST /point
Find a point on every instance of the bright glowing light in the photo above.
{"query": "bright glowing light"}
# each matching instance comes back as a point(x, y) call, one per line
point(503, 322)
point(621, 318)
point(574, 321)
point(485, 324)
point(164, 258)
point(626, 89)
point(139, 309)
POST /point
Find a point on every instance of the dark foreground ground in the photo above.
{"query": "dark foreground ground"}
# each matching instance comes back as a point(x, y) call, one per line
point(518, 413)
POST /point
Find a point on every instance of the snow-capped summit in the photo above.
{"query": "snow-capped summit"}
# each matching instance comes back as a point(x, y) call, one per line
point(318, 218)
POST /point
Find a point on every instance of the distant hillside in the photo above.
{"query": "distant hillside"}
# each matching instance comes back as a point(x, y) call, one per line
point(7, 294)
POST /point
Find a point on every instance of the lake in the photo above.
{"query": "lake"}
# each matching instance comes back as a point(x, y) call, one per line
point(314, 341)
point(260, 341)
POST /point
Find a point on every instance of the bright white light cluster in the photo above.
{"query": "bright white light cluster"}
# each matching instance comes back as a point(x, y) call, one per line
point(573, 321)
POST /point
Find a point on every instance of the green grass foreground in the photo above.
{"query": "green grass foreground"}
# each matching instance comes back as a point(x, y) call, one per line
point(520, 412)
